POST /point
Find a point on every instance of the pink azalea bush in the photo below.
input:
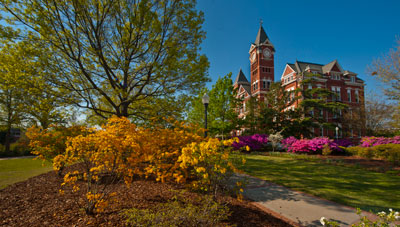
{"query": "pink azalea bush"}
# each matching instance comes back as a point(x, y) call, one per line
point(254, 142)
point(371, 141)
point(313, 146)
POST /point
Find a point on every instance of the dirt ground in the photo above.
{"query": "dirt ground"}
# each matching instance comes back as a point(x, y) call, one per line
point(37, 202)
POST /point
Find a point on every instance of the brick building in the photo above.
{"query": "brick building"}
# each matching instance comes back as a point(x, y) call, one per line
point(349, 89)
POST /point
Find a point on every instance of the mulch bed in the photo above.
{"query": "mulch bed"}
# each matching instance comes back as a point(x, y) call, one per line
point(37, 202)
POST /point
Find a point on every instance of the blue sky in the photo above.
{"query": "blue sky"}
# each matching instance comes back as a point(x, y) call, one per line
point(353, 32)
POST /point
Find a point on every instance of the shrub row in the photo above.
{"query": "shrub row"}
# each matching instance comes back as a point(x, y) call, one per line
point(372, 141)
point(255, 142)
point(315, 145)
point(389, 152)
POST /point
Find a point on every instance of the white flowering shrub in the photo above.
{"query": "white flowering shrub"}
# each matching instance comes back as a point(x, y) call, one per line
point(385, 220)
point(275, 139)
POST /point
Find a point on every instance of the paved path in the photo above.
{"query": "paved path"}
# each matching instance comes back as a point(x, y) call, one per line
point(296, 207)
point(17, 157)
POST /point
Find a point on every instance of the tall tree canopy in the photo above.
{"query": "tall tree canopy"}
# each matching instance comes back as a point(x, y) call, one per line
point(114, 55)
point(387, 69)
point(222, 116)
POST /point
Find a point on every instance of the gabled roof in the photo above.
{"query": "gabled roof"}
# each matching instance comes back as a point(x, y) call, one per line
point(300, 66)
point(347, 72)
point(241, 78)
point(328, 67)
point(247, 87)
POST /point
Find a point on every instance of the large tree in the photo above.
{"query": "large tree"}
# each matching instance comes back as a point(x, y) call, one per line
point(13, 69)
point(223, 105)
point(222, 115)
point(276, 114)
point(387, 69)
point(114, 55)
point(315, 101)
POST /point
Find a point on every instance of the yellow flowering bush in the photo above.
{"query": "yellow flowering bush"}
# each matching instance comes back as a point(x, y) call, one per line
point(121, 150)
point(49, 143)
point(210, 164)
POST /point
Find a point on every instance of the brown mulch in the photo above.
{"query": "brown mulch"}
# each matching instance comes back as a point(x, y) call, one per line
point(37, 202)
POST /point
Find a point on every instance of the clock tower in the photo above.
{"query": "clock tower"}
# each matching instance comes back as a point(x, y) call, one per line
point(261, 65)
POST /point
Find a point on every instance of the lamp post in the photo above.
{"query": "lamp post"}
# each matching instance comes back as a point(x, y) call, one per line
point(337, 134)
point(205, 101)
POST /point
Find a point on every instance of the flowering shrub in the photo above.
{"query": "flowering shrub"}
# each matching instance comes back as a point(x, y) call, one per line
point(384, 220)
point(121, 150)
point(343, 143)
point(47, 144)
point(208, 162)
point(251, 143)
point(313, 146)
point(287, 142)
point(375, 141)
point(275, 139)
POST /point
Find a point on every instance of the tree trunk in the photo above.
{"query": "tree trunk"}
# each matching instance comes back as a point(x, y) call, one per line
point(8, 139)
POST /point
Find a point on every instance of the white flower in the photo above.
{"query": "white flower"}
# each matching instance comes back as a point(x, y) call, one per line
point(381, 213)
point(390, 209)
point(323, 221)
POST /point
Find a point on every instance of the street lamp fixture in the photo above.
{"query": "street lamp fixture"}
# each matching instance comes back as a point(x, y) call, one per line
point(205, 100)
point(337, 134)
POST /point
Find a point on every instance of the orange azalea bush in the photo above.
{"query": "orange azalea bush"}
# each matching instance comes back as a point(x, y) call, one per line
point(121, 150)
point(49, 143)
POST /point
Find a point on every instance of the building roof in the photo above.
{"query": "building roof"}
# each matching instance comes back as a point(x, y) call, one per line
point(241, 78)
point(262, 38)
point(247, 87)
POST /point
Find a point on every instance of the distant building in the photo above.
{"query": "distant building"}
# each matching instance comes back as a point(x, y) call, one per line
point(348, 87)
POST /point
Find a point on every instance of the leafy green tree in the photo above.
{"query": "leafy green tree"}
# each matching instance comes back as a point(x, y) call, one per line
point(276, 115)
point(196, 109)
point(12, 71)
point(223, 103)
point(316, 101)
point(251, 121)
point(116, 55)
point(222, 116)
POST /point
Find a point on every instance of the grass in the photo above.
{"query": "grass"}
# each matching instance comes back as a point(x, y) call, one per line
point(16, 170)
point(355, 187)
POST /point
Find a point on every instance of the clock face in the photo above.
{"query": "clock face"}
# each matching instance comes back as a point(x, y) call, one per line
point(253, 57)
point(267, 53)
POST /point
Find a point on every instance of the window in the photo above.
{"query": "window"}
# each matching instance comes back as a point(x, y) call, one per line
point(336, 96)
point(357, 97)
point(335, 76)
point(244, 107)
point(309, 86)
point(268, 84)
point(353, 79)
point(349, 95)
point(351, 133)
point(321, 131)
point(264, 84)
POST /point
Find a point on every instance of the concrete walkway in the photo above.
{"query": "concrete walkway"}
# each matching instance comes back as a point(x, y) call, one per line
point(297, 208)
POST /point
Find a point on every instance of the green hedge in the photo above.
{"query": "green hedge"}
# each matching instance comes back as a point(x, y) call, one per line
point(389, 152)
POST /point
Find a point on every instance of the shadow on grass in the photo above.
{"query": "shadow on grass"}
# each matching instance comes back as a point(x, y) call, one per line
point(354, 187)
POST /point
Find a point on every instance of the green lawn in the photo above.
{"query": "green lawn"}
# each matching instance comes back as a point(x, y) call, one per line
point(15, 170)
point(351, 186)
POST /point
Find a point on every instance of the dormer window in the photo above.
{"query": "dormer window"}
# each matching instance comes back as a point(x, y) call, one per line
point(335, 76)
